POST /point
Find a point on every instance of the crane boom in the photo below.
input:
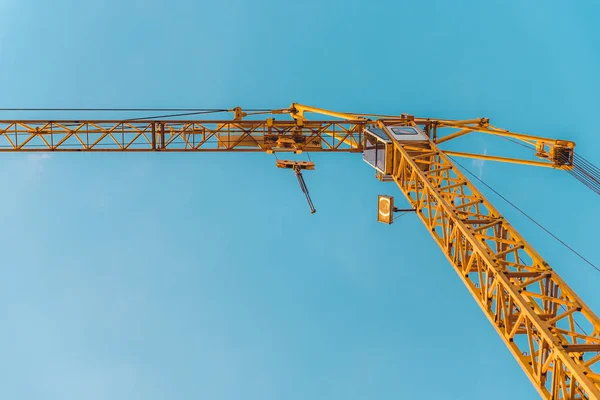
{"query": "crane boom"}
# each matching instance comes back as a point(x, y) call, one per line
point(537, 315)
point(181, 136)
point(533, 310)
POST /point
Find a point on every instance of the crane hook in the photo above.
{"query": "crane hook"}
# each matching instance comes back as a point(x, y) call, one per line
point(298, 172)
point(297, 167)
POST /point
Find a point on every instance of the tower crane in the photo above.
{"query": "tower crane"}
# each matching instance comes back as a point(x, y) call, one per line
point(537, 315)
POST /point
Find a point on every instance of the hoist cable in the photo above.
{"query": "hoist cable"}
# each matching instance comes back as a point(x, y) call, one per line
point(583, 170)
point(527, 216)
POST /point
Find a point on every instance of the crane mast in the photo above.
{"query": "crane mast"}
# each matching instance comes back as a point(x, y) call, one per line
point(536, 314)
point(533, 310)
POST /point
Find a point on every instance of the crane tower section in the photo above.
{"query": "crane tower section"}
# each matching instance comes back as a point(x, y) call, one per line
point(533, 310)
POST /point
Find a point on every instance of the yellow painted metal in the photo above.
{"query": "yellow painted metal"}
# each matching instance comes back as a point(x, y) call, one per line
point(546, 148)
point(185, 136)
point(238, 113)
point(502, 159)
point(537, 315)
point(385, 209)
point(544, 145)
point(290, 164)
point(533, 310)
point(525, 138)
point(226, 135)
point(298, 110)
point(454, 135)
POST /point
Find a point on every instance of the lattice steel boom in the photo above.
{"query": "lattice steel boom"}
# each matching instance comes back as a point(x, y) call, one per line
point(257, 136)
point(538, 316)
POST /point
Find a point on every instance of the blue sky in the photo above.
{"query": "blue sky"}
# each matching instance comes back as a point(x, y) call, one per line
point(153, 276)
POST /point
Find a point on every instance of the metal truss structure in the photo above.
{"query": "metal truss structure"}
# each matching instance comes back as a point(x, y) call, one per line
point(552, 333)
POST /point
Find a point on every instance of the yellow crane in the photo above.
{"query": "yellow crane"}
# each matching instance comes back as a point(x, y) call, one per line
point(538, 316)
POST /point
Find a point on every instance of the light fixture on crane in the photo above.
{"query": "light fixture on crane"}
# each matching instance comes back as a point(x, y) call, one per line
point(386, 209)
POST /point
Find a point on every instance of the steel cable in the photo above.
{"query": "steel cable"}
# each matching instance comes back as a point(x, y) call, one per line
point(527, 216)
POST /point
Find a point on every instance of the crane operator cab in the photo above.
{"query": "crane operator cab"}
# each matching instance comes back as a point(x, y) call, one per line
point(378, 146)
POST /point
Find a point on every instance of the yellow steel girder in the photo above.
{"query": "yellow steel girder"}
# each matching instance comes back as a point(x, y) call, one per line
point(502, 159)
point(185, 136)
point(554, 153)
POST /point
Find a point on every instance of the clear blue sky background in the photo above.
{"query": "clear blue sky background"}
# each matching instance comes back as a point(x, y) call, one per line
point(160, 276)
